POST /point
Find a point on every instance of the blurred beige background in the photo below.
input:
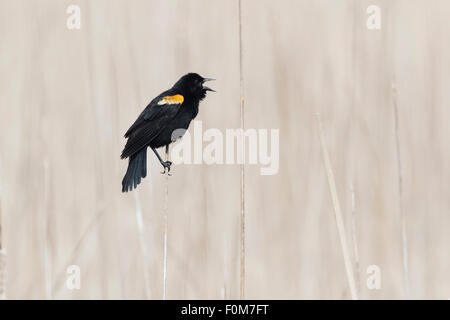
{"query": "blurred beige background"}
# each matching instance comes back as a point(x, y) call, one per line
point(68, 96)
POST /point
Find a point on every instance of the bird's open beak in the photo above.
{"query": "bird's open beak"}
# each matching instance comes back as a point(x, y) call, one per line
point(207, 88)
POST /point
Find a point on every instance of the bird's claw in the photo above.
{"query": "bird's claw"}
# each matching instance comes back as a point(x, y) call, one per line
point(166, 166)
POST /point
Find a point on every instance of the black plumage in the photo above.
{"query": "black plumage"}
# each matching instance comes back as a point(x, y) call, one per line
point(171, 110)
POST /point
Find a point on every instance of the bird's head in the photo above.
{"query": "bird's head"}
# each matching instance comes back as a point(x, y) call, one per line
point(194, 85)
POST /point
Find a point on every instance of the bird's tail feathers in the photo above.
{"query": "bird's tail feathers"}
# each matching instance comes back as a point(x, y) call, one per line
point(137, 169)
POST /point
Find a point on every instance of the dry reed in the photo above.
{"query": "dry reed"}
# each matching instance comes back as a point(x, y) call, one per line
point(400, 194)
point(337, 212)
point(242, 168)
point(355, 240)
point(166, 228)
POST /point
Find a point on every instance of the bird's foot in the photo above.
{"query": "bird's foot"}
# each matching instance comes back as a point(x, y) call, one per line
point(166, 165)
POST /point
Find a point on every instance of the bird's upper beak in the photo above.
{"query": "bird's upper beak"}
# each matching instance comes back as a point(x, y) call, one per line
point(205, 87)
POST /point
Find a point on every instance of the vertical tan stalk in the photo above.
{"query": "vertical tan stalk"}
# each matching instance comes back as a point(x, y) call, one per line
point(400, 194)
point(166, 228)
point(242, 171)
point(337, 212)
point(355, 240)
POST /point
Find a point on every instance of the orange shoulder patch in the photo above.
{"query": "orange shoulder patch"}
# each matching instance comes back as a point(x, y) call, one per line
point(176, 99)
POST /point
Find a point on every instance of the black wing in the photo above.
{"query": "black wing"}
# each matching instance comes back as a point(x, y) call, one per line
point(155, 117)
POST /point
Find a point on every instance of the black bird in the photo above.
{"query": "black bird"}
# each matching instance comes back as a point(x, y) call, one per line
point(171, 110)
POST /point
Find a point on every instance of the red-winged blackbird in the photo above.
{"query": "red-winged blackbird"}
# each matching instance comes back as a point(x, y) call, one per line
point(171, 110)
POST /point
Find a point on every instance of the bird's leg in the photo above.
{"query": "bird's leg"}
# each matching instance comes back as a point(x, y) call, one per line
point(165, 164)
point(167, 161)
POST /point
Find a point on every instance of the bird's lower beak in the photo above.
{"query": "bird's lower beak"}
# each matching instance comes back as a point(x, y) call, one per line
point(207, 88)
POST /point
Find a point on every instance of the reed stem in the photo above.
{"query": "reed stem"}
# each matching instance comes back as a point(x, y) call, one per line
point(337, 212)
